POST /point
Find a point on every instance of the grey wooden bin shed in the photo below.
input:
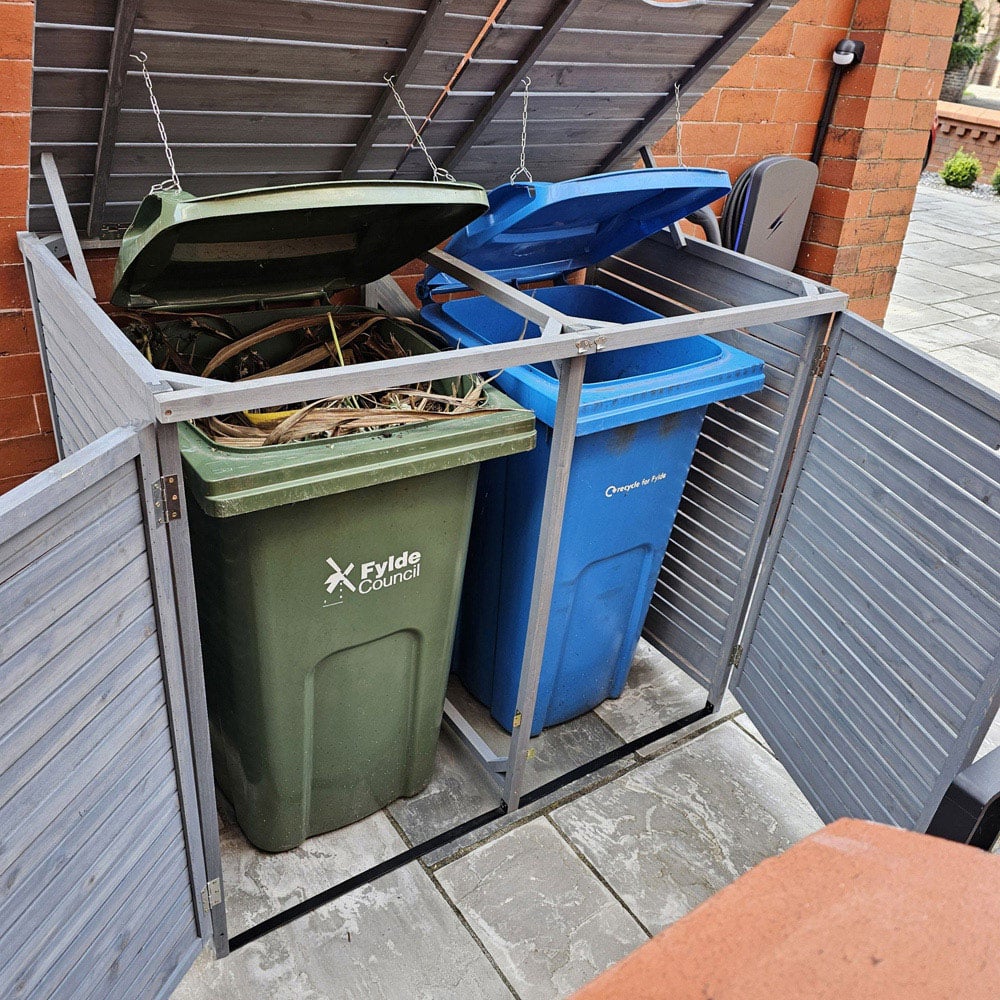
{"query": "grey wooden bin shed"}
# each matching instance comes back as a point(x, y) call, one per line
point(837, 554)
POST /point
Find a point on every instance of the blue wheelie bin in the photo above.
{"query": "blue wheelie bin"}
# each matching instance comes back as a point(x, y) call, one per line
point(640, 416)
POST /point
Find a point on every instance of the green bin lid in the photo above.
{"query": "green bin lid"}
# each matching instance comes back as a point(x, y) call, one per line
point(282, 243)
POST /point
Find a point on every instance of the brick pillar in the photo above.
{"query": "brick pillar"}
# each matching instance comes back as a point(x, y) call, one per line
point(26, 444)
point(770, 102)
point(875, 148)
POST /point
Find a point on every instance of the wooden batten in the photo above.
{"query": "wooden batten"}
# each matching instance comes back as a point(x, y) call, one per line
point(267, 92)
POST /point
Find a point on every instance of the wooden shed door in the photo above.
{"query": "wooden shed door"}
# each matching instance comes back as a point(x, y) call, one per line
point(872, 665)
point(101, 862)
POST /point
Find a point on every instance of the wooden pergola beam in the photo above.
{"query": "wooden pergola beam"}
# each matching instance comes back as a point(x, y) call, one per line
point(558, 16)
point(639, 134)
point(429, 26)
point(114, 92)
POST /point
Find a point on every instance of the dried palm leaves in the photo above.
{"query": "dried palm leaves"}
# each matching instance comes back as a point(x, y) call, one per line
point(209, 345)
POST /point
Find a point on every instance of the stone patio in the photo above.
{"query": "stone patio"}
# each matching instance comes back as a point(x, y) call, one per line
point(539, 903)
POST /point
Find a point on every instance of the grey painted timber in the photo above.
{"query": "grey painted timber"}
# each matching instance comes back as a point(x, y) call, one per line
point(118, 57)
point(102, 859)
point(274, 91)
point(742, 456)
point(873, 644)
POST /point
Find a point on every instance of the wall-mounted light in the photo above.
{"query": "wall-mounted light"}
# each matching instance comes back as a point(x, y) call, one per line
point(848, 52)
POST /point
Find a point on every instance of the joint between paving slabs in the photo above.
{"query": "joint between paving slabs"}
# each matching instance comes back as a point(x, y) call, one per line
point(472, 933)
point(693, 734)
point(449, 901)
point(756, 737)
point(600, 878)
point(513, 821)
point(588, 783)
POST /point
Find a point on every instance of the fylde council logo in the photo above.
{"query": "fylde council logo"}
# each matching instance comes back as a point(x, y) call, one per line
point(375, 575)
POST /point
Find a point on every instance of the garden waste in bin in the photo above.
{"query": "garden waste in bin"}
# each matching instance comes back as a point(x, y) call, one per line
point(328, 571)
point(641, 412)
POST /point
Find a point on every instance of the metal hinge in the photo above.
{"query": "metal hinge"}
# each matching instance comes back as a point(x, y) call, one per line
point(166, 499)
point(591, 346)
point(211, 895)
point(820, 360)
point(736, 655)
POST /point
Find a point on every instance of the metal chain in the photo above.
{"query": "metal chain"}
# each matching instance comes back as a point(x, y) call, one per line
point(174, 183)
point(437, 173)
point(522, 169)
point(677, 123)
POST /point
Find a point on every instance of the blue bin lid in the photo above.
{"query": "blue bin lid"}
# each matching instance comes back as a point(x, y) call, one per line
point(537, 231)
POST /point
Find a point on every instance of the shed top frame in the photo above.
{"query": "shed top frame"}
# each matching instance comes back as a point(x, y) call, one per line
point(261, 92)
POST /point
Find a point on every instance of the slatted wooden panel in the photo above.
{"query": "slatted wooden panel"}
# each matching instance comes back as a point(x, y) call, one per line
point(92, 388)
point(98, 900)
point(873, 665)
point(603, 73)
point(271, 91)
point(701, 592)
point(260, 92)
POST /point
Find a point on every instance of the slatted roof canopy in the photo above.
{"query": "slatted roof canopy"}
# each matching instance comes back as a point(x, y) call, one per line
point(260, 92)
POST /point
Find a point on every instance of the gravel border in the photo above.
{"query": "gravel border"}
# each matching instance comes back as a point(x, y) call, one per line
point(929, 179)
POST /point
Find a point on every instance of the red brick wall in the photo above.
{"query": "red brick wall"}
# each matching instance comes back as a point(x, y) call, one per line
point(768, 103)
point(976, 130)
point(771, 100)
point(26, 444)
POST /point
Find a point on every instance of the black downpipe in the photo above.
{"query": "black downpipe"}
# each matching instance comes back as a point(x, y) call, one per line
point(848, 53)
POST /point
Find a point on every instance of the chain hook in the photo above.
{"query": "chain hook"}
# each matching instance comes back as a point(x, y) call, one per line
point(522, 168)
point(174, 183)
point(437, 173)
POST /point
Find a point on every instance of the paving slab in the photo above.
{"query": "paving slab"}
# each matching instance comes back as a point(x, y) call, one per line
point(984, 326)
point(658, 692)
point(975, 363)
point(682, 826)
point(557, 749)
point(904, 314)
point(258, 885)
point(954, 237)
point(459, 789)
point(939, 336)
point(549, 923)
point(981, 268)
point(746, 724)
point(990, 347)
point(929, 249)
point(915, 289)
point(991, 741)
point(988, 303)
point(942, 274)
point(960, 308)
point(398, 937)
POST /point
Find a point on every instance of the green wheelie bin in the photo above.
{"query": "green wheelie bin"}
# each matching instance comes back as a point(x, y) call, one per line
point(328, 572)
point(328, 579)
